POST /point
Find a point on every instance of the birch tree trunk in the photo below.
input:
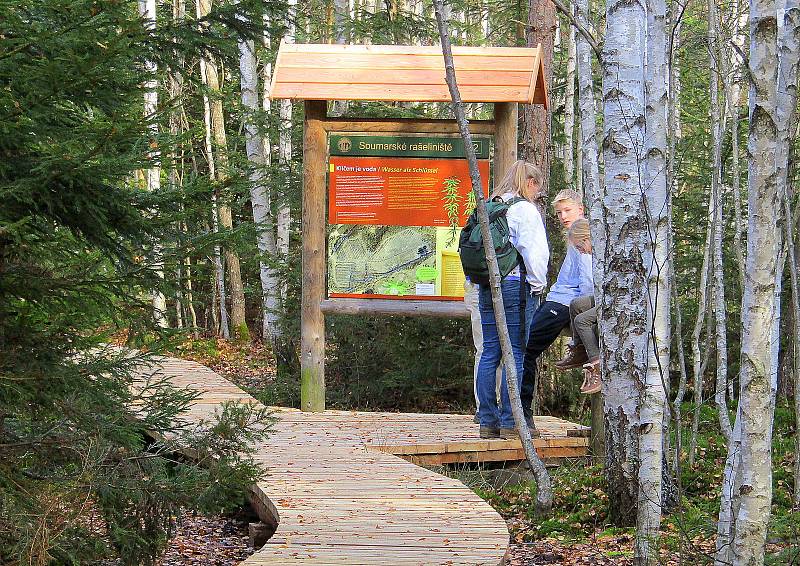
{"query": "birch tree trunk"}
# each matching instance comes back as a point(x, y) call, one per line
point(259, 191)
point(589, 178)
point(274, 299)
point(147, 11)
point(176, 158)
point(698, 364)
point(590, 169)
point(536, 132)
point(658, 210)
point(623, 311)
point(730, 62)
point(715, 203)
point(681, 392)
point(751, 480)
point(569, 112)
point(544, 492)
point(341, 13)
point(211, 79)
point(219, 269)
point(285, 149)
point(673, 135)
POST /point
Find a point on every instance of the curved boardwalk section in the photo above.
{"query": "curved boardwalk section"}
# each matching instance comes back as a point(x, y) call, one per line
point(340, 496)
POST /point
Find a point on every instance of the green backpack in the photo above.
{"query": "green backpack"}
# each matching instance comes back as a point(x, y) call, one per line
point(470, 244)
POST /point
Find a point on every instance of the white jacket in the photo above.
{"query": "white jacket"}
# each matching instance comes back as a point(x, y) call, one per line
point(526, 232)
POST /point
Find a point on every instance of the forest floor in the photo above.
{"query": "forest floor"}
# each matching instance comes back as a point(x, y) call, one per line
point(577, 533)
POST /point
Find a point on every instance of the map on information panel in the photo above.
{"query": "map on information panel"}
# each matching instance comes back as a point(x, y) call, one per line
point(396, 206)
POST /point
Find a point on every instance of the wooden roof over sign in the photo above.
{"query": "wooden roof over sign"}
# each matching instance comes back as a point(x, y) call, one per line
point(408, 73)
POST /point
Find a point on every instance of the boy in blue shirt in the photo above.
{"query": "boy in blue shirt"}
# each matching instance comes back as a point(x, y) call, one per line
point(552, 316)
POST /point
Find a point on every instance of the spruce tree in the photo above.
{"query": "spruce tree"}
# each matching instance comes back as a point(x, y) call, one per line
point(76, 232)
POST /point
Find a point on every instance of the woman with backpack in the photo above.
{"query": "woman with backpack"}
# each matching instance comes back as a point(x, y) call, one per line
point(520, 289)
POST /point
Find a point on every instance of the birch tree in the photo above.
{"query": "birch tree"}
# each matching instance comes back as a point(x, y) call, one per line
point(700, 361)
point(747, 482)
point(658, 211)
point(715, 204)
point(147, 11)
point(591, 185)
point(176, 172)
point(219, 268)
point(285, 146)
point(569, 111)
point(341, 13)
point(259, 190)
point(544, 492)
point(211, 79)
point(673, 135)
point(623, 311)
point(731, 62)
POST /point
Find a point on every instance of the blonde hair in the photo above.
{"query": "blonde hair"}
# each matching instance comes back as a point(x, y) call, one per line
point(568, 194)
point(516, 179)
point(579, 230)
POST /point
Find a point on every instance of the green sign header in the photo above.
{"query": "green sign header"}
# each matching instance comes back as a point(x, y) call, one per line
point(405, 146)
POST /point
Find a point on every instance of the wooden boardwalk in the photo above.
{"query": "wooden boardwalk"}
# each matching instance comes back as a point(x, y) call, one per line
point(341, 493)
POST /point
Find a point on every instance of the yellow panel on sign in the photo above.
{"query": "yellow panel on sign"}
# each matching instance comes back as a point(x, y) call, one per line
point(452, 274)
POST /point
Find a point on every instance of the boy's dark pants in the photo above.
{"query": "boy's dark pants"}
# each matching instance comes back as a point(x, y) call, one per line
point(547, 323)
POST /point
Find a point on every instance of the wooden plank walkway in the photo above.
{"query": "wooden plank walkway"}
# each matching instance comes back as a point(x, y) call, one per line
point(341, 493)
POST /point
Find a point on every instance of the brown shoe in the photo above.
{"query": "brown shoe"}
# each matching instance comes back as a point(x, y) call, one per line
point(575, 358)
point(591, 382)
point(509, 433)
point(489, 432)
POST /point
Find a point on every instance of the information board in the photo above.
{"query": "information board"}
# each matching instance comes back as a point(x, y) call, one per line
point(396, 206)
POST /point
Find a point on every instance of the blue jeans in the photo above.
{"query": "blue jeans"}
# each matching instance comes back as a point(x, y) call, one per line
point(492, 413)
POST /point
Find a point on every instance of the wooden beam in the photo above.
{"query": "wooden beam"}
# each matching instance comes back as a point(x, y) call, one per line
point(411, 125)
point(444, 309)
point(506, 116)
point(312, 321)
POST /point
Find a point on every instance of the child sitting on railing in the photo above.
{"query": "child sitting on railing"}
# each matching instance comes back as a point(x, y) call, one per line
point(583, 314)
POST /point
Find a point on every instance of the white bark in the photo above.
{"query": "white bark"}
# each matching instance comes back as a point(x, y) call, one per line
point(569, 112)
point(341, 11)
point(681, 392)
point(658, 207)
point(715, 203)
point(590, 171)
point(190, 297)
point(760, 310)
point(210, 77)
point(731, 481)
point(673, 135)
point(176, 158)
point(147, 11)
point(259, 191)
point(731, 64)
point(623, 311)
point(697, 361)
point(285, 147)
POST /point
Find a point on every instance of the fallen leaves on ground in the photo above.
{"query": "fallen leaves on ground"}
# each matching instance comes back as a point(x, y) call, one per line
point(207, 541)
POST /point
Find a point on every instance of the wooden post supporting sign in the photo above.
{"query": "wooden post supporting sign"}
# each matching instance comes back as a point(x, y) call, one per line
point(312, 323)
point(505, 138)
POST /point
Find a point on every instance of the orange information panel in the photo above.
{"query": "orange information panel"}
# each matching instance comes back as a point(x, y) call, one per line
point(396, 206)
point(398, 191)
